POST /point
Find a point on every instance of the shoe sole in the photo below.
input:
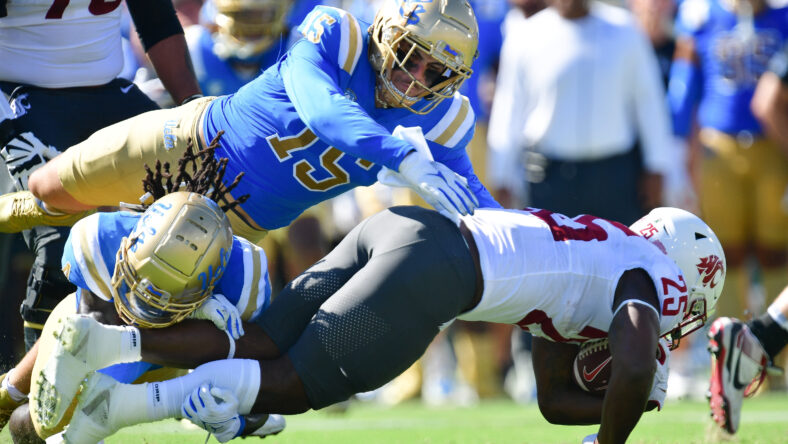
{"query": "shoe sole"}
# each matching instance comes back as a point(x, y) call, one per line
point(61, 379)
point(716, 338)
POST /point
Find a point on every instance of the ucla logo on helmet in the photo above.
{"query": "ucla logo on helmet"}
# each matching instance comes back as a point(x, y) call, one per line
point(411, 9)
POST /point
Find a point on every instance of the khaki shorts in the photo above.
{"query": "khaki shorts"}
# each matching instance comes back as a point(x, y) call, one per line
point(742, 187)
point(108, 167)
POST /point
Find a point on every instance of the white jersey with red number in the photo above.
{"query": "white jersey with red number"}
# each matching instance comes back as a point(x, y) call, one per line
point(61, 43)
point(556, 276)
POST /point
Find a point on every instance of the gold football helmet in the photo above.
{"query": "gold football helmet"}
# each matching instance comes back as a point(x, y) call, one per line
point(246, 28)
point(170, 262)
point(445, 30)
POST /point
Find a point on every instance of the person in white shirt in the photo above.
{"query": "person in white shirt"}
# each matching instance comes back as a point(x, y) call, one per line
point(368, 310)
point(578, 88)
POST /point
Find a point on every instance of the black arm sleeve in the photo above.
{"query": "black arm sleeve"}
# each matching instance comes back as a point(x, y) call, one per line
point(155, 20)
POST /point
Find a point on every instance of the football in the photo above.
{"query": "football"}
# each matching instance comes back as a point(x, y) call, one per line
point(592, 366)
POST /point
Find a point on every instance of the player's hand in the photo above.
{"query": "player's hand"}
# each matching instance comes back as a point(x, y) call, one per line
point(590, 439)
point(24, 154)
point(215, 410)
point(222, 313)
point(660, 387)
point(442, 188)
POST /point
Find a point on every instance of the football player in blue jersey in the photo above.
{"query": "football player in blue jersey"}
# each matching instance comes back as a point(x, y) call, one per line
point(314, 125)
point(140, 270)
point(242, 38)
point(723, 48)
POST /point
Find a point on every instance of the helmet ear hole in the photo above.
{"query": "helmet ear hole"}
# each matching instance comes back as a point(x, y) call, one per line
point(171, 261)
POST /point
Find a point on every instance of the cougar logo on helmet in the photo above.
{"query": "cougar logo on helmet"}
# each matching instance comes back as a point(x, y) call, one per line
point(710, 267)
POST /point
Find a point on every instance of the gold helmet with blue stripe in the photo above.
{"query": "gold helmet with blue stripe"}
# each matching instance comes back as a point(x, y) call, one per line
point(246, 28)
point(405, 31)
point(170, 262)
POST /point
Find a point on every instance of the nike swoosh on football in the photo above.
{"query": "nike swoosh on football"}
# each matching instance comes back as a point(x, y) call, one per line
point(125, 89)
point(589, 376)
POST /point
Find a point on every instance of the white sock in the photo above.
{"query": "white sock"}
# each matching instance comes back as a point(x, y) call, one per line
point(116, 344)
point(241, 376)
point(13, 392)
point(778, 316)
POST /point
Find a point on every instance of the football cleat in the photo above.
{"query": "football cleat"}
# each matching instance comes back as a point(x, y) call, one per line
point(272, 426)
point(22, 211)
point(738, 368)
point(70, 363)
point(7, 404)
point(93, 419)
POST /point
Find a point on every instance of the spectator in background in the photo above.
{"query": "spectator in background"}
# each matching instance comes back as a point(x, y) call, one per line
point(655, 17)
point(578, 86)
point(722, 50)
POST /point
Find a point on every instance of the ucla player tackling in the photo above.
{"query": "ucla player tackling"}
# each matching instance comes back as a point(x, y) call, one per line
point(314, 125)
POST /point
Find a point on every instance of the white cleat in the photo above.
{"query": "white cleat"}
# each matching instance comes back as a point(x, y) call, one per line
point(93, 420)
point(69, 364)
point(273, 425)
point(738, 367)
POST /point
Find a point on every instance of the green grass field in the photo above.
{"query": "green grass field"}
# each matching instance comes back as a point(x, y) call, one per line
point(765, 420)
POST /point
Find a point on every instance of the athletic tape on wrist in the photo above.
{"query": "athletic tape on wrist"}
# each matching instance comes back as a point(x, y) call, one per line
point(231, 354)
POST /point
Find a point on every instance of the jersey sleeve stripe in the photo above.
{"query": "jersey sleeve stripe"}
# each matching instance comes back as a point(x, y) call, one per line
point(254, 284)
point(349, 44)
point(89, 259)
point(454, 124)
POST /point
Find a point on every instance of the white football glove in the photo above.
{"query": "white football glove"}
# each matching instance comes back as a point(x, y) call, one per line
point(222, 313)
point(439, 186)
point(215, 410)
point(660, 386)
point(590, 439)
point(24, 154)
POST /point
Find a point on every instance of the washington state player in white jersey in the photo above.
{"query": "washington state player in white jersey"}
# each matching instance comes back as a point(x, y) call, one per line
point(368, 310)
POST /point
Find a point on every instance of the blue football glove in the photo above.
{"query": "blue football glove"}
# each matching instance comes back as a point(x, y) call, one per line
point(215, 410)
point(439, 186)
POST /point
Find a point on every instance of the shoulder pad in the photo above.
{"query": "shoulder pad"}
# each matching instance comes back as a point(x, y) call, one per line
point(325, 25)
point(457, 119)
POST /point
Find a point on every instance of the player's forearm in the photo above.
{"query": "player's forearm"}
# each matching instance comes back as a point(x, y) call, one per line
point(174, 67)
point(625, 401)
point(191, 342)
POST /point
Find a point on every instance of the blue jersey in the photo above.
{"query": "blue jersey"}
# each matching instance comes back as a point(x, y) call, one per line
point(308, 128)
point(92, 247)
point(732, 57)
point(215, 74)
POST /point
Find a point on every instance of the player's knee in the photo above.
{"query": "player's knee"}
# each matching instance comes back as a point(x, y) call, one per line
point(20, 427)
point(551, 410)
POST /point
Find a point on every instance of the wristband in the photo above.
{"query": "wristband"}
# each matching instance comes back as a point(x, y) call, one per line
point(190, 98)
